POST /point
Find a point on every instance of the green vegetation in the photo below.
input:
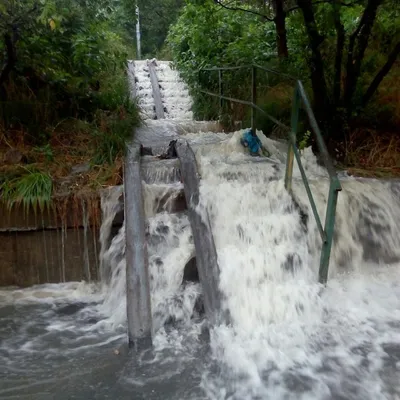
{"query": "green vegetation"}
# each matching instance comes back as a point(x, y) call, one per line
point(64, 97)
point(156, 18)
point(346, 54)
point(32, 189)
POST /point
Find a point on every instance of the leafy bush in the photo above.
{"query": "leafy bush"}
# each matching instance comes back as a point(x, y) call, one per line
point(64, 53)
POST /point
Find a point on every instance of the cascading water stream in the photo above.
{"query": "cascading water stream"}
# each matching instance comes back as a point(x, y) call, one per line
point(287, 337)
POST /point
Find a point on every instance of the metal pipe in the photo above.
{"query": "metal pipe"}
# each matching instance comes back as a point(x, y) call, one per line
point(320, 141)
point(329, 231)
point(248, 103)
point(292, 141)
point(309, 193)
point(221, 92)
point(138, 44)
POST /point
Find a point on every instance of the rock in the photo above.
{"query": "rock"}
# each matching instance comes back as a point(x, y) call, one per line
point(14, 156)
point(190, 272)
point(171, 151)
point(80, 168)
point(70, 309)
point(145, 151)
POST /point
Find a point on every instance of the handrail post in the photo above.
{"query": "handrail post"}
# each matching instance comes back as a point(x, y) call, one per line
point(329, 230)
point(292, 140)
point(253, 98)
point(221, 92)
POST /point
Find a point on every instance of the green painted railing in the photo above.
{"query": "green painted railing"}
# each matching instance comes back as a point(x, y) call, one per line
point(300, 99)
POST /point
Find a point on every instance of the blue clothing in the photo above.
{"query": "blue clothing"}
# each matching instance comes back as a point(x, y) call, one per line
point(251, 141)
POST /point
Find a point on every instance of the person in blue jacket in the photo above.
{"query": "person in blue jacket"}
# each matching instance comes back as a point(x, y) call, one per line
point(251, 140)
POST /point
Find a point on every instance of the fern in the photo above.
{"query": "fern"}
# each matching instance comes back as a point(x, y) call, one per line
point(304, 141)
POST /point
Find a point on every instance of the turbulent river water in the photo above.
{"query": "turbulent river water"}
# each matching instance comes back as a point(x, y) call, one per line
point(287, 338)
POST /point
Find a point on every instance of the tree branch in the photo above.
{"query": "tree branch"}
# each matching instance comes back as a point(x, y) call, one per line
point(10, 58)
point(317, 66)
point(244, 10)
point(280, 28)
point(381, 74)
point(361, 35)
point(340, 32)
point(315, 3)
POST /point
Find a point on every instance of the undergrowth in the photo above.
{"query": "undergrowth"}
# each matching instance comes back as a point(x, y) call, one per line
point(98, 142)
point(31, 190)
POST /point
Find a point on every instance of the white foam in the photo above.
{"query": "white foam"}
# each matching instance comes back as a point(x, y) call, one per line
point(285, 328)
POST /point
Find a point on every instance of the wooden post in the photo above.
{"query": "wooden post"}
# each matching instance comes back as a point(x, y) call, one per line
point(156, 91)
point(206, 254)
point(138, 302)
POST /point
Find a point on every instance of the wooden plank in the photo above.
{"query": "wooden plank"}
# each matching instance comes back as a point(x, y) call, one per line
point(156, 91)
point(132, 79)
point(137, 271)
point(206, 254)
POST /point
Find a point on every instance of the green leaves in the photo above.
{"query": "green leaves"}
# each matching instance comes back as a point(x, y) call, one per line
point(32, 190)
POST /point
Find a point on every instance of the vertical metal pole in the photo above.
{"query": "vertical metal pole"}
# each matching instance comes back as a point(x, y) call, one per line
point(292, 140)
point(253, 98)
point(221, 91)
point(138, 44)
point(329, 230)
point(138, 303)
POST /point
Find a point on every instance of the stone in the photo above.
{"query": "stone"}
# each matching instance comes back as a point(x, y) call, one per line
point(14, 156)
point(80, 169)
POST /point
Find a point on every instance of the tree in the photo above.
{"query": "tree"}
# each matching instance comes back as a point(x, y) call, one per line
point(328, 106)
point(347, 46)
point(55, 57)
point(155, 21)
point(15, 18)
point(269, 11)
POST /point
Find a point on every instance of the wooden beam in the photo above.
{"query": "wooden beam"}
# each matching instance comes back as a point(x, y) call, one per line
point(138, 302)
point(206, 254)
point(156, 91)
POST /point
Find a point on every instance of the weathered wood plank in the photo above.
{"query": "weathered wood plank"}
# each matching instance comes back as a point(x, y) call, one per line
point(156, 91)
point(137, 271)
point(206, 254)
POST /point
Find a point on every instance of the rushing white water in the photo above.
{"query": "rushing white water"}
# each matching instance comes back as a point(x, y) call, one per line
point(144, 91)
point(174, 93)
point(287, 338)
point(290, 338)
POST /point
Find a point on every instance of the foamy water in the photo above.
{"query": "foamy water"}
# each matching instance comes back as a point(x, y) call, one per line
point(288, 337)
point(174, 93)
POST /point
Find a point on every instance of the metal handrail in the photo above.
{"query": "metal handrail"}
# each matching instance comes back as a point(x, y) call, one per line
point(299, 97)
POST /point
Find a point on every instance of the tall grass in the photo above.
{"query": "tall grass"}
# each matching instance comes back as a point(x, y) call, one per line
point(32, 190)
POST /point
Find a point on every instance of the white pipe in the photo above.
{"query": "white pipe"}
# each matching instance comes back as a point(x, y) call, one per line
point(139, 51)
